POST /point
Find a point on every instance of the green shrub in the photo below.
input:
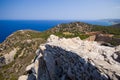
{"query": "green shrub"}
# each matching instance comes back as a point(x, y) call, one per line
point(1, 76)
point(13, 77)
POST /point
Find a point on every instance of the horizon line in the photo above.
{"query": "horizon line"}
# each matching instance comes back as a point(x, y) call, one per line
point(62, 19)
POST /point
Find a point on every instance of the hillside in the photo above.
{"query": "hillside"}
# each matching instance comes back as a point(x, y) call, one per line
point(104, 34)
point(18, 50)
point(74, 59)
point(72, 27)
point(116, 25)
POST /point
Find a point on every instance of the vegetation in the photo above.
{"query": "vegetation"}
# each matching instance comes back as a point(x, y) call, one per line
point(27, 43)
point(108, 29)
point(1, 76)
point(116, 36)
point(114, 30)
point(20, 39)
point(113, 43)
point(13, 77)
point(71, 35)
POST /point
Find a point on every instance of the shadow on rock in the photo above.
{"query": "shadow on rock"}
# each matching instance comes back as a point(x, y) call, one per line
point(31, 77)
point(59, 64)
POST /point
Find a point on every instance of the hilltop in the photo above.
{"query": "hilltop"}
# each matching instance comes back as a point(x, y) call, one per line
point(18, 50)
point(74, 59)
point(102, 34)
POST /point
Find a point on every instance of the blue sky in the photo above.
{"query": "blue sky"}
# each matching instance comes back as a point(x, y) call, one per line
point(59, 9)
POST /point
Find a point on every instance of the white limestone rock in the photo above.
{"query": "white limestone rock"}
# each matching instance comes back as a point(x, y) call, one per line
point(23, 77)
point(74, 59)
point(29, 67)
point(10, 56)
point(52, 37)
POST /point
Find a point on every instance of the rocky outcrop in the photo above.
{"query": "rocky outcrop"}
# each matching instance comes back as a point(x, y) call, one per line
point(107, 38)
point(7, 58)
point(74, 59)
point(91, 38)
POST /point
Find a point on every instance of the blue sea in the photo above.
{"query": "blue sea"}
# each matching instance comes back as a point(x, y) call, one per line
point(7, 27)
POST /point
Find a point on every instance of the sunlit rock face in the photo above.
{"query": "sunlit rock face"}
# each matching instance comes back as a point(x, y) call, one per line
point(9, 57)
point(74, 59)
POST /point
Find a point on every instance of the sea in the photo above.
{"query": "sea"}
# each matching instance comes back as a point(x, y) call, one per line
point(7, 27)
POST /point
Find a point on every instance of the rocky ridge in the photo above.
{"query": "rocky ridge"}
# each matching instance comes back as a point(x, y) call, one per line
point(74, 59)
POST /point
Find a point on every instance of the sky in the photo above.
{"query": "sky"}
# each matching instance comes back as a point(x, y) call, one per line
point(59, 9)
